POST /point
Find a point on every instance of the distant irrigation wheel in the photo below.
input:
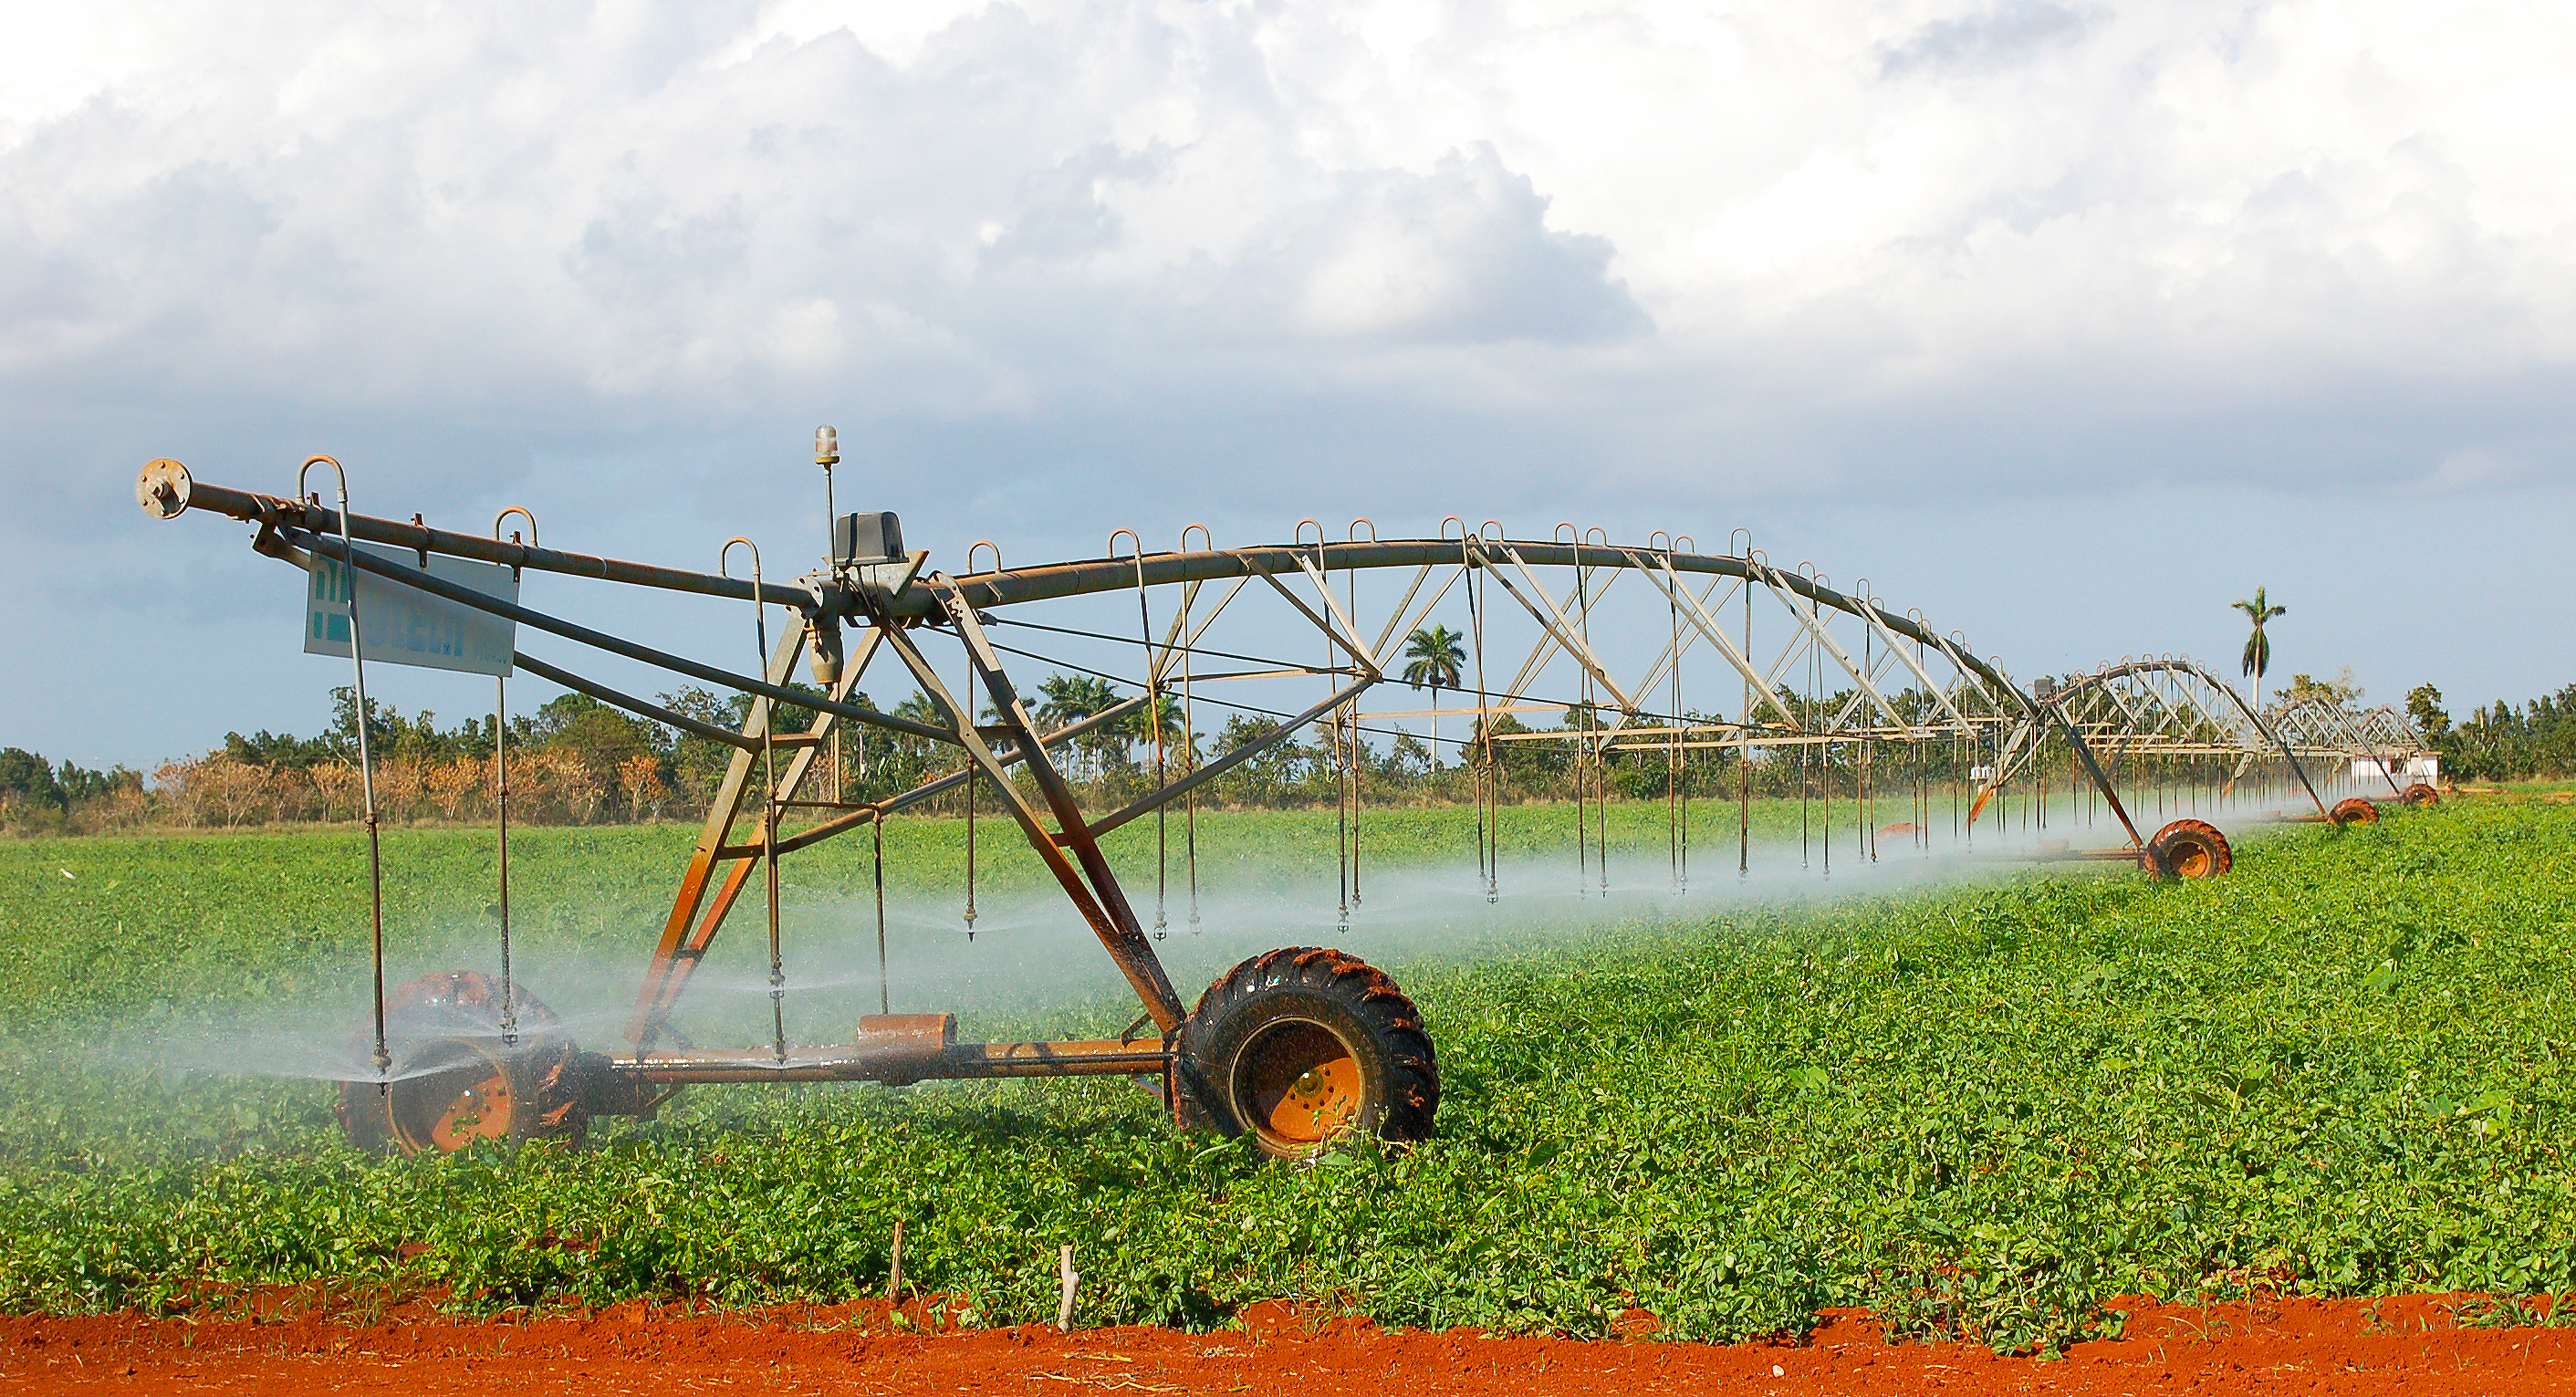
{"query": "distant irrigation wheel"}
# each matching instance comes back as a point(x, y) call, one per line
point(1303, 1046)
point(2420, 794)
point(2353, 810)
point(455, 1081)
point(2190, 849)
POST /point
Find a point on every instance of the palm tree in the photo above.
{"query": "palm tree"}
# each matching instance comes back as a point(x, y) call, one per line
point(1069, 698)
point(1138, 725)
point(2258, 646)
point(1439, 659)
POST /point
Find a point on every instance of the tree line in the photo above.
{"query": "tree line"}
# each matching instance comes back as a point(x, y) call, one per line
point(2501, 742)
point(575, 760)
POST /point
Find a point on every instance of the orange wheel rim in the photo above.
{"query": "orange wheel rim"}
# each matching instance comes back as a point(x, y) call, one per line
point(451, 1108)
point(1298, 1086)
point(479, 1112)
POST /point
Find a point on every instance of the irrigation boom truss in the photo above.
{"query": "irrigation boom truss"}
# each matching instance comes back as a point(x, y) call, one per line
point(1642, 651)
point(2171, 707)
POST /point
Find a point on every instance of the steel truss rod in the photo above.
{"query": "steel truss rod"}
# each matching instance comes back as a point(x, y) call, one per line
point(285, 512)
point(1706, 625)
point(1333, 605)
point(520, 659)
point(1811, 617)
point(523, 660)
point(1209, 771)
point(985, 591)
point(668, 973)
point(1913, 664)
point(695, 919)
point(2181, 692)
point(1105, 638)
point(171, 491)
point(2327, 728)
point(1543, 650)
point(1889, 646)
point(600, 640)
point(855, 819)
point(1348, 645)
point(1561, 628)
point(1102, 903)
point(1678, 645)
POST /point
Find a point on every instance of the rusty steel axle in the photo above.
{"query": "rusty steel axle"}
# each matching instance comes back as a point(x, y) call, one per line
point(899, 1049)
point(1105, 1057)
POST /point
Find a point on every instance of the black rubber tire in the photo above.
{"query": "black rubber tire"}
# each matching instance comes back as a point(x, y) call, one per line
point(2353, 810)
point(2190, 849)
point(1302, 1047)
point(455, 1081)
point(2420, 794)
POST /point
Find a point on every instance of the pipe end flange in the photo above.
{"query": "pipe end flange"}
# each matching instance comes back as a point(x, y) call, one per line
point(162, 489)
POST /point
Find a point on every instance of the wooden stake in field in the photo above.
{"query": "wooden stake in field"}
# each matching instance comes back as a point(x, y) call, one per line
point(894, 1267)
point(1072, 1282)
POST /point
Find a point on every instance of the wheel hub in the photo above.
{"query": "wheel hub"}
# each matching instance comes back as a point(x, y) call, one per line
point(451, 1108)
point(1299, 1085)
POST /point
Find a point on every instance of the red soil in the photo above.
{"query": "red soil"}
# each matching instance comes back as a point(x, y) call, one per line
point(2412, 1345)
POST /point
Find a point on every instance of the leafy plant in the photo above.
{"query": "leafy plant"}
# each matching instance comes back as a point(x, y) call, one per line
point(1984, 1109)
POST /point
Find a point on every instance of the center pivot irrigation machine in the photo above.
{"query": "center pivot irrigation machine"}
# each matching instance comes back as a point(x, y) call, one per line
point(2181, 734)
point(1296, 1046)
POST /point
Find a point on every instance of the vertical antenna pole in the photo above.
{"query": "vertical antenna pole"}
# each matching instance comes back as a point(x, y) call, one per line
point(827, 454)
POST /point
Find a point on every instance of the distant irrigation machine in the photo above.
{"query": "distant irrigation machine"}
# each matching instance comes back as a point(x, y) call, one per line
point(1294, 1047)
point(2179, 732)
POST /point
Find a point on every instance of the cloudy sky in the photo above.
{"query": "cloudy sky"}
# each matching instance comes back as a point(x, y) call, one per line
point(2067, 324)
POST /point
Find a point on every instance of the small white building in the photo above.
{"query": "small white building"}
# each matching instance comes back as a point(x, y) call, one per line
point(2424, 767)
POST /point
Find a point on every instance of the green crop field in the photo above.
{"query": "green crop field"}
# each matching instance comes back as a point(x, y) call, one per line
point(1987, 1104)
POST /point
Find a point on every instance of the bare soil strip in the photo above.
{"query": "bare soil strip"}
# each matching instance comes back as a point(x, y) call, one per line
point(2414, 1344)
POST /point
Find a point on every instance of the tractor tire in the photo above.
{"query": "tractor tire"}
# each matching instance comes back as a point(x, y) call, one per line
point(2353, 810)
point(2190, 849)
point(1305, 1047)
point(2420, 794)
point(455, 1082)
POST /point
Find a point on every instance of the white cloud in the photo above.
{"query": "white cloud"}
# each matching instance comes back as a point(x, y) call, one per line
point(483, 209)
point(1462, 254)
point(1921, 249)
point(2474, 469)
